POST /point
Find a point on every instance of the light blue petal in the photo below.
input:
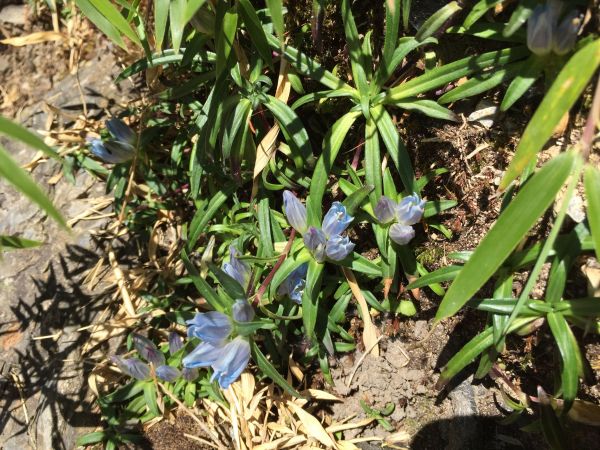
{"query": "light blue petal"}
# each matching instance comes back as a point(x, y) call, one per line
point(236, 355)
point(204, 355)
point(315, 241)
point(339, 247)
point(112, 152)
point(167, 373)
point(133, 367)
point(213, 327)
point(295, 212)
point(242, 311)
point(566, 33)
point(148, 350)
point(540, 29)
point(401, 234)
point(410, 210)
point(121, 131)
point(294, 284)
point(385, 210)
point(336, 220)
point(237, 269)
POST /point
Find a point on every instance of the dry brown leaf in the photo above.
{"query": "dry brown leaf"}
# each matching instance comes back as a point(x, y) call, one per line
point(312, 426)
point(33, 38)
point(370, 332)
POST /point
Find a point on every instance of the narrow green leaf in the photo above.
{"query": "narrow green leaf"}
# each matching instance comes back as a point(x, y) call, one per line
point(16, 131)
point(15, 242)
point(512, 225)
point(527, 75)
point(310, 298)
point(255, 30)
point(162, 59)
point(592, 192)
point(392, 23)
point(150, 395)
point(355, 200)
point(225, 40)
point(16, 176)
point(192, 8)
point(444, 274)
point(114, 16)
point(356, 55)
point(101, 22)
point(372, 161)
point(276, 11)
point(205, 214)
point(478, 10)
point(331, 145)
point(559, 99)
point(177, 12)
point(161, 14)
point(568, 352)
point(229, 284)
point(427, 107)
point(203, 287)
point(267, 368)
point(359, 263)
point(91, 438)
point(433, 24)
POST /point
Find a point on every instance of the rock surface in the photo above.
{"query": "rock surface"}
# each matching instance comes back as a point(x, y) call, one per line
point(44, 398)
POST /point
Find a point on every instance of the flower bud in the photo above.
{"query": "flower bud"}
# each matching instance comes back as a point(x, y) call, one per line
point(167, 373)
point(540, 27)
point(339, 247)
point(566, 33)
point(401, 234)
point(295, 212)
point(242, 311)
point(315, 241)
point(120, 131)
point(385, 210)
point(336, 220)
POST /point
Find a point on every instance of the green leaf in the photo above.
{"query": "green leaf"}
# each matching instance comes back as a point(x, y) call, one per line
point(444, 274)
point(192, 8)
point(249, 328)
point(526, 76)
point(592, 192)
point(16, 131)
point(561, 96)
point(395, 147)
point(229, 284)
point(203, 287)
point(433, 24)
point(107, 10)
point(177, 12)
point(225, 40)
point(16, 176)
point(443, 75)
point(205, 214)
point(359, 263)
point(276, 11)
point(554, 432)
point(293, 130)
point(91, 438)
point(519, 16)
point(161, 14)
point(427, 107)
point(150, 398)
point(392, 22)
point(354, 200)
point(267, 368)
point(568, 352)
point(356, 55)
point(512, 225)
point(162, 59)
point(101, 22)
point(372, 161)
point(310, 298)
point(331, 145)
point(478, 10)
point(255, 30)
point(15, 242)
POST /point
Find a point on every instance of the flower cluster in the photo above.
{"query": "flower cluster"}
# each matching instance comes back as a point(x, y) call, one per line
point(137, 368)
point(402, 216)
point(326, 241)
point(119, 149)
point(227, 357)
point(544, 32)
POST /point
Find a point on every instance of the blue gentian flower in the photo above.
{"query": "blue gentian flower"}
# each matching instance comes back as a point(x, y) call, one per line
point(138, 369)
point(237, 269)
point(175, 342)
point(324, 242)
point(545, 34)
point(227, 357)
point(293, 286)
point(120, 148)
point(402, 216)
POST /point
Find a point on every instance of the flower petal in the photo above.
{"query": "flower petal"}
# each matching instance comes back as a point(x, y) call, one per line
point(294, 284)
point(566, 33)
point(540, 28)
point(410, 210)
point(236, 355)
point(132, 366)
point(213, 327)
point(167, 373)
point(315, 241)
point(148, 350)
point(336, 220)
point(242, 311)
point(339, 247)
point(385, 209)
point(204, 355)
point(295, 211)
point(401, 234)
point(237, 269)
point(121, 131)
point(175, 342)
point(189, 374)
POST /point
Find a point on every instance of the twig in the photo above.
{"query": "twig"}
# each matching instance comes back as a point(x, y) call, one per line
point(362, 358)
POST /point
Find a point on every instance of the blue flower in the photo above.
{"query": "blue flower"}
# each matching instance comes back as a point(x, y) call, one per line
point(120, 148)
point(545, 34)
point(324, 242)
point(175, 342)
point(228, 358)
point(136, 368)
point(294, 211)
point(402, 216)
point(293, 286)
point(236, 269)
